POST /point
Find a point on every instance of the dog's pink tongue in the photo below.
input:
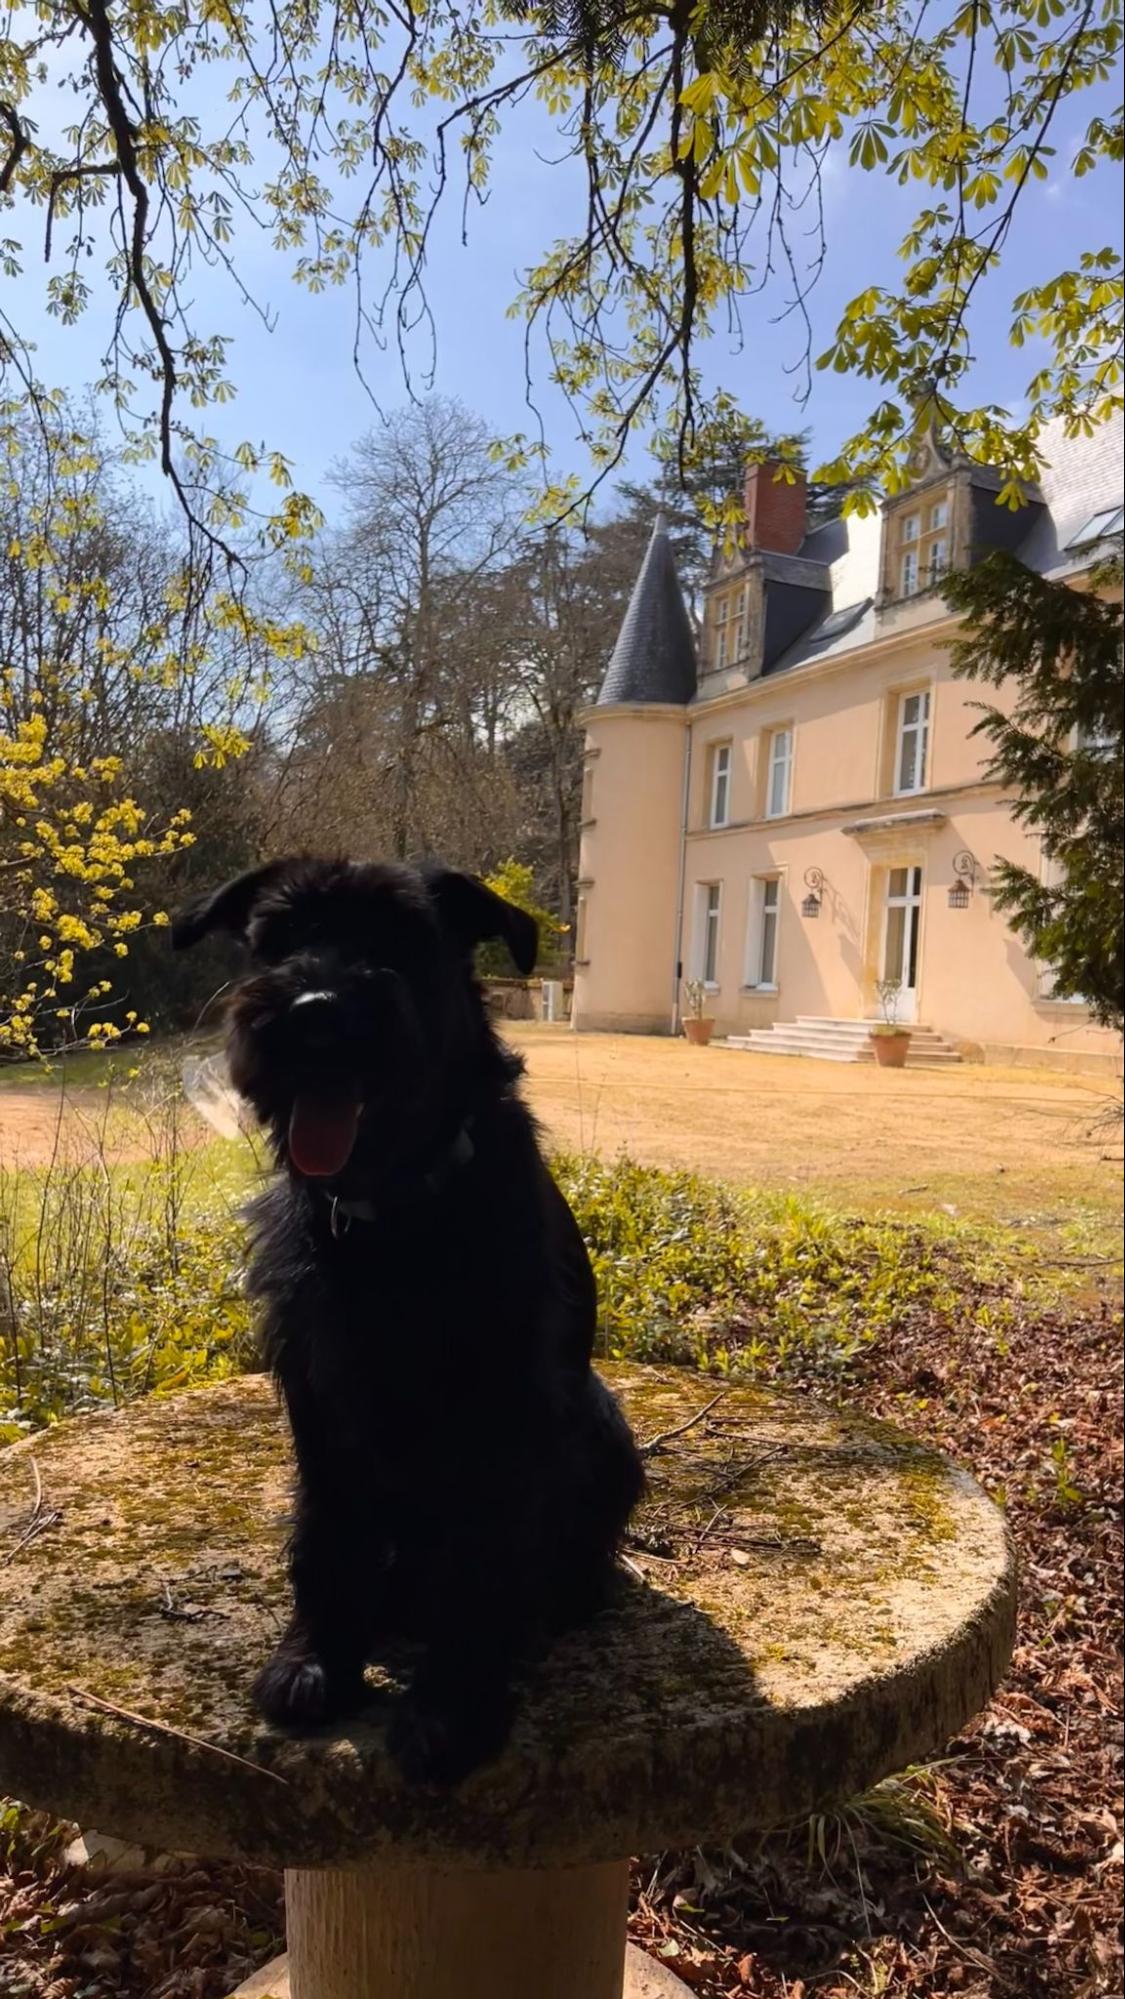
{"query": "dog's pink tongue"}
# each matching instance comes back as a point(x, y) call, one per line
point(322, 1133)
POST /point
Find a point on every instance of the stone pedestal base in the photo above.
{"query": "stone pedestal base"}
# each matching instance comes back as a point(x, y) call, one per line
point(892, 1616)
point(429, 1933)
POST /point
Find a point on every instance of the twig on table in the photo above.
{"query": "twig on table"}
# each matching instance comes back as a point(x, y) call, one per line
point(771, 1544)
point(177, 1734)
point(744, 1469)
point(779, 1544)
point(41, 1518)
point(188, 1613)
point(666, 1436)
point(649, 1541)
point(716, 1515)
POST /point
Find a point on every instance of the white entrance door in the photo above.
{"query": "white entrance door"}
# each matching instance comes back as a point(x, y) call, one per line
point(900, 936)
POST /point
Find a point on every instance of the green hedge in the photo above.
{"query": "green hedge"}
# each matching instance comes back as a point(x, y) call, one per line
point(116, 1282)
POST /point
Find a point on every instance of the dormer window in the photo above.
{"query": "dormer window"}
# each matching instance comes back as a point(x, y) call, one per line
point(908, 561)
point(728, 627)
point(918, 546)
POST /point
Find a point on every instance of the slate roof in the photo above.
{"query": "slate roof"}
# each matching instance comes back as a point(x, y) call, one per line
point(1081, 477)
point(654, 658)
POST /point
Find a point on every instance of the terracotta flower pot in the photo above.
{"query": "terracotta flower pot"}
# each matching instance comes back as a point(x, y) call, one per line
point(890, 1049)
point(698, 1031)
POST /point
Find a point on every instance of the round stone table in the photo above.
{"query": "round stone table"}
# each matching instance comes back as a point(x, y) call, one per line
point(808, 1602)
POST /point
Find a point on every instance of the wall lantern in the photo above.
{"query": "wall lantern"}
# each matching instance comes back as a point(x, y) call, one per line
point(814, 882)
point(966, 867)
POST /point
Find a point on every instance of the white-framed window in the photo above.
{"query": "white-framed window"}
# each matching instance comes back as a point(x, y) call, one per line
point(919, 549)
point(761, 935)
point(1046, 978)
point(1097, 742)
point(913, 743)
point(1046, 974)
point(730, 621)
point(719, 807)
point(722, 617)
point(706, 953)
point(737, 625)
point(779, 773)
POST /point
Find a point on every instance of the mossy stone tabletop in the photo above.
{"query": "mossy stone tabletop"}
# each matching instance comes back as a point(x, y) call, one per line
point(810, 1600)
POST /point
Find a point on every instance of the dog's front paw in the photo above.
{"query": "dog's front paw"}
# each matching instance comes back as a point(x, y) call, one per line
point(439, 1741)
point(296, 1690)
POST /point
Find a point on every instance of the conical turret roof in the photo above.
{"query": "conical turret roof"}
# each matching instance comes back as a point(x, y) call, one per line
point(654, 658)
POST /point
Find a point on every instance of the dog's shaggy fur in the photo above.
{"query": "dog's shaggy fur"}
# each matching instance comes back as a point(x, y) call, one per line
point(427, 1302)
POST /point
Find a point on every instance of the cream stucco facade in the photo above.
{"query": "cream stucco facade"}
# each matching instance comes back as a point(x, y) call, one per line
point(792, 836)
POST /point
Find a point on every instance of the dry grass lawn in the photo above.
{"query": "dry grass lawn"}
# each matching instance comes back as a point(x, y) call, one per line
point(998, 1143)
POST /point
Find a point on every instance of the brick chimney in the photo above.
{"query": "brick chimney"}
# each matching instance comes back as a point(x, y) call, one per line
point(776, 512)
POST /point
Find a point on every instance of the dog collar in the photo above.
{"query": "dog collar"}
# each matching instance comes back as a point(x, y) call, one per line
point(342, 1211)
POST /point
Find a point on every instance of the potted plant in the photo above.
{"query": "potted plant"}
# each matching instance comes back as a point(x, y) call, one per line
point(889, 1039)
point(698, 1026)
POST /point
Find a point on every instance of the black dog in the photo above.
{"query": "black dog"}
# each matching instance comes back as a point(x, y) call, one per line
point(463, 1475)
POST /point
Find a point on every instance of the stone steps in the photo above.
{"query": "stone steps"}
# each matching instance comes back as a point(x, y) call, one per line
point(925, 1043)
point(825, 1040)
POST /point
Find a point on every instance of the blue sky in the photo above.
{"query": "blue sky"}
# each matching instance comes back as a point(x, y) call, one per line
point(298, 391)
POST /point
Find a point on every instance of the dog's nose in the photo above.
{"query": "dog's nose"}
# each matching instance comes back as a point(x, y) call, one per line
point(317, 1018)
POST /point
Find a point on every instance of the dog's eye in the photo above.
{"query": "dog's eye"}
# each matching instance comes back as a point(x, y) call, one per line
point(275, 941)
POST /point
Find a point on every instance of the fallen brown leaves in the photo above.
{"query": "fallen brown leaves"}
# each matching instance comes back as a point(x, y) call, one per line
point(178, 1930)
point(996, 1872)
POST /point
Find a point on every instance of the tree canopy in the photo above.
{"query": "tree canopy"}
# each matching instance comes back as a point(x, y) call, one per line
point(141, 140)
point(424, 672)
point(700, 134)
point(123, 698)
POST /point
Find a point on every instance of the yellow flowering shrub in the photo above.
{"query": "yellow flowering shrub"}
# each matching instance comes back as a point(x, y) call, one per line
point(71, 840)
point(130, 656)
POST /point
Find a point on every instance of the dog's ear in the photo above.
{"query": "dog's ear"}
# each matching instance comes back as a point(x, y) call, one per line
point(227, 908)
point(472, 913)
